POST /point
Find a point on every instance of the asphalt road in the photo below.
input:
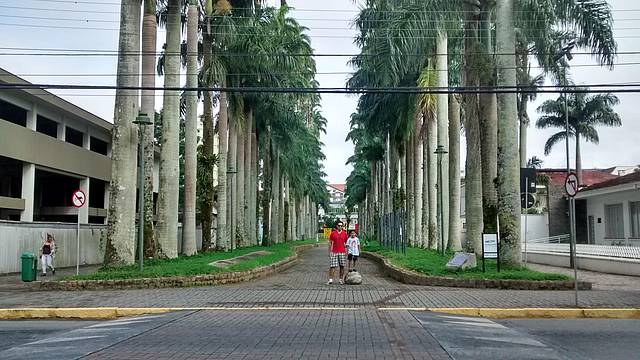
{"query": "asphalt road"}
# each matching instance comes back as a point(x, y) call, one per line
point(319, 334)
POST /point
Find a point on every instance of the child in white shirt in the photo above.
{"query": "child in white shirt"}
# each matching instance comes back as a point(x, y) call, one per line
point(353, 250)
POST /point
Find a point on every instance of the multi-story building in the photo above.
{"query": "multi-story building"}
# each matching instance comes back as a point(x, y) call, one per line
point(49, 148)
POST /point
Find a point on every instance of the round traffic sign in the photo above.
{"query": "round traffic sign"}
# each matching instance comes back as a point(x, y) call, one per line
point(528, 202)
point(78, 199)
point(571, 184)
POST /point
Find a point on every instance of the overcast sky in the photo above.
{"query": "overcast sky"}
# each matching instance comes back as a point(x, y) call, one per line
point(331, 32)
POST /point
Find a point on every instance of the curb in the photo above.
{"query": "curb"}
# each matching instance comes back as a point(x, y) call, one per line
point(174, 281)
point(110, 313)
point(414, 278)
point(101, 313)
point(541, 313)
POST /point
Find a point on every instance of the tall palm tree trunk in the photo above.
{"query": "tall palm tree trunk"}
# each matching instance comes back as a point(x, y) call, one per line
point(509, 174)
point(120, 248)
point(281, 209)
point(206, 210)
point(432, 171)
point(147, 106)
point(417, 175)
point(473, 165)
point(222, 233)
point(578, 159)
point(275, 200)
point(233, 183)
point(454, 174)
point(410, 218)
point(191, 135)
point(267, 173)
point(167, 226)
point(248, 179)
point(426, 236)
point(253, 210)
point(240, 180)
point(442, 66)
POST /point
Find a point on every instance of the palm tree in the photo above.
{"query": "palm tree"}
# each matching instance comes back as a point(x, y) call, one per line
point(530, 84)
point(534, 163)
point(191, 134)
point(508, 180)
point(585, 114)
point(167, 225)
point(147, 106)
point(454, 174)
point(120, 248)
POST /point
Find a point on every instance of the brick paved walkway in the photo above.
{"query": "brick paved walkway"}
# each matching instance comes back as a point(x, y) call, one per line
point(305, 334)
point(303, 285)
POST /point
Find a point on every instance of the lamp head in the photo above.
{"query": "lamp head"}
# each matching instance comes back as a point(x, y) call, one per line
point(142, 119)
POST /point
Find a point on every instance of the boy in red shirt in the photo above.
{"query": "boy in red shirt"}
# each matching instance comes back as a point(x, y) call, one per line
point(337, 252)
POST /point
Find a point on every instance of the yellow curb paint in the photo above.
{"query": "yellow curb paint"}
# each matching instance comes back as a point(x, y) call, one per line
point(123, 312)
point(612, 313)
point(549, 313)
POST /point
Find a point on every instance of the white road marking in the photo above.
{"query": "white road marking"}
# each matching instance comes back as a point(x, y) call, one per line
point(62, 339)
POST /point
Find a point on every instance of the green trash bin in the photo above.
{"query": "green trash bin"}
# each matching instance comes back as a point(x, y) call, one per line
point(29, 267)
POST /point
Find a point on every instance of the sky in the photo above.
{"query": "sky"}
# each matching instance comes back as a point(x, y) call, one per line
point(66, 26)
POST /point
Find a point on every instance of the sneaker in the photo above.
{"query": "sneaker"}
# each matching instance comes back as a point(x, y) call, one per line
point(43, 274)
point(53, 271)
point(341, 282)
point(330, 282)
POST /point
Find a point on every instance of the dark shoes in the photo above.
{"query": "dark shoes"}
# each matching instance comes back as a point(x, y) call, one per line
point(53, 271)
point(43, 274)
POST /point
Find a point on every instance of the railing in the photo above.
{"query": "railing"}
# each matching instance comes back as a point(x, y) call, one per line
point(558, 239)
point(625, 252)
point(392, 230)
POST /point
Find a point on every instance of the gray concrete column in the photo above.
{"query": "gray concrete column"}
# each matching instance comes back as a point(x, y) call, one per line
point(84, 211)
point(28, 191)
point(32, 117)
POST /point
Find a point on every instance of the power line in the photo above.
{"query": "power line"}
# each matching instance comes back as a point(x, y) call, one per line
point(603, 88)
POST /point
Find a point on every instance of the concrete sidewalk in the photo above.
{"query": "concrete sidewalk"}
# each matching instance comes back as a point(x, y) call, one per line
point(303, 285)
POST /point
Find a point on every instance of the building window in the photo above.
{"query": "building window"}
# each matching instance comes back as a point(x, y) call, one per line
point(99, 146)
point(12, 113)
point(73, 136)
point(634, 218)
point(47, 126)
point(614, 221)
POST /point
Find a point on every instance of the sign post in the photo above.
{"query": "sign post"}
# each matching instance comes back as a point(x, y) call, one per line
point(78, 199)
point(571, 187)
point(490, 249)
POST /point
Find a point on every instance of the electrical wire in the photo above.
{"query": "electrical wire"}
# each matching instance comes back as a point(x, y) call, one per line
point(602, 88)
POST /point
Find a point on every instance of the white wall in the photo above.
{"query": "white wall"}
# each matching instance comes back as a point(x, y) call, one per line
point(19, 237)
point(537, 226)
point(595, 208)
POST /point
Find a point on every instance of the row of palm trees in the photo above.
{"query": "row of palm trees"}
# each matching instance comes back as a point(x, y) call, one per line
point(438, 44)
point(269, 156)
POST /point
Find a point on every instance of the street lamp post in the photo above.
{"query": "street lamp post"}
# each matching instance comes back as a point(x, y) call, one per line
point(440, 151)
point(142, 120)
point(231, 171)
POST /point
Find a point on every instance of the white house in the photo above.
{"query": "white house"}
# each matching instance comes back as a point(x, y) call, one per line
point(613, 211)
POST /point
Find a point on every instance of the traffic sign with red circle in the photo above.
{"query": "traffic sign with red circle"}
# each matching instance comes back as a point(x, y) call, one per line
point(79, 198)
point(571, 184)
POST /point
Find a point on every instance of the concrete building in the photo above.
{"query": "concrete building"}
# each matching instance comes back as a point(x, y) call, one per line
point(612, 211)
point(49, 148)
point(337, 207)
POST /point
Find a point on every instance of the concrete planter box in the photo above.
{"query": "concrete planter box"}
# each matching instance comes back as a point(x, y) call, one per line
point(414, 278)
point(174, 281)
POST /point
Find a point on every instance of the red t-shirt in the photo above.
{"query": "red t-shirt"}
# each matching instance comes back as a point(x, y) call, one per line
point(338, 240)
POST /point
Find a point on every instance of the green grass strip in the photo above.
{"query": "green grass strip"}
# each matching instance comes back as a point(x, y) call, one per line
point(197, 264)
point(431, 262)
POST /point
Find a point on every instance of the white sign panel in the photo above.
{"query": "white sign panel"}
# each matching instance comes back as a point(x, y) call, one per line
point(490, 246)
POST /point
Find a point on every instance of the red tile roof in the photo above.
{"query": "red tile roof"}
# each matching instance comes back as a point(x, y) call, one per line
point(339, 187)
point(619, 180)
point(589, 176)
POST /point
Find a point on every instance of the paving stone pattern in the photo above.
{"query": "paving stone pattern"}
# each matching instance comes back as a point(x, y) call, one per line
point(295, 334)
point(303, 285)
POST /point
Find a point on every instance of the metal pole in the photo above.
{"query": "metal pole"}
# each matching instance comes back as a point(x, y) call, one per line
point(78, 245)
point(440, 151)
point(572, 231)
point(526, 215)
point(575, 259)
point(141, 197)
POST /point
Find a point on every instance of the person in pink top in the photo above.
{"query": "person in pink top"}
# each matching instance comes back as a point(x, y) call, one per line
point(337, 252)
